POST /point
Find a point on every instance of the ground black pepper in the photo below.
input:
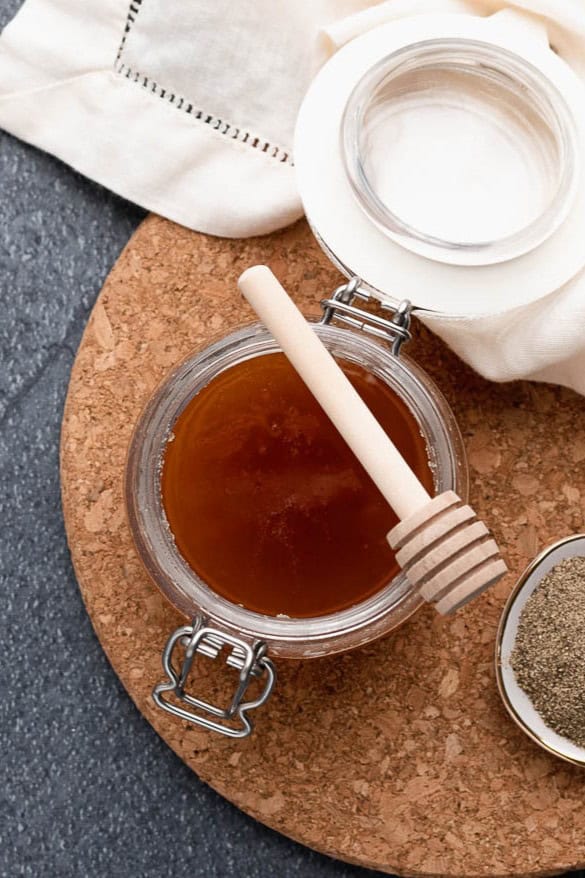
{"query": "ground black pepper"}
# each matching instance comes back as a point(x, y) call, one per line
point(549, 653)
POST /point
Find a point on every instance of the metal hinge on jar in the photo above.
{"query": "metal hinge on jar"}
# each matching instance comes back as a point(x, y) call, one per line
point(394, 330)
point(248, 659)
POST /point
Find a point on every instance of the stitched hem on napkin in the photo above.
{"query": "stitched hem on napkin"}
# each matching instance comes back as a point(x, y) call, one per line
point(71, 96)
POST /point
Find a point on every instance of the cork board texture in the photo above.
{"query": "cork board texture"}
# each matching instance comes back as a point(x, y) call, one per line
point(398, 756)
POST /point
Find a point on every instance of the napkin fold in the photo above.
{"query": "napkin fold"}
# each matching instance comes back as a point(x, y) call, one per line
point(188, 109)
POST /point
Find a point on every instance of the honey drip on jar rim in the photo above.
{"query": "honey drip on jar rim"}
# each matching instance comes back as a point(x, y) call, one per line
point(267, 503)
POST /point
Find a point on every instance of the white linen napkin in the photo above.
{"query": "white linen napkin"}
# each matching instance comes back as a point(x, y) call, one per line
point(188, 109)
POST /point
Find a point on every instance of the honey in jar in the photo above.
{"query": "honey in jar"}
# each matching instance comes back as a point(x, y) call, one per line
point(267, 503)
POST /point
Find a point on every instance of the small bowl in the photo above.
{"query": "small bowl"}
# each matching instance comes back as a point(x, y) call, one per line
point(515, 699)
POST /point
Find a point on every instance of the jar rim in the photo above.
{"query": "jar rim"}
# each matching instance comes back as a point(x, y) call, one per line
point(534, 89)
point(292, 637)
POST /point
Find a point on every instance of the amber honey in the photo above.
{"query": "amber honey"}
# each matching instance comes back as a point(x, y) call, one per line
point(267, 503)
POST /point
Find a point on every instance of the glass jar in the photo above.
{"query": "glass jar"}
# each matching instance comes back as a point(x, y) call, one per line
point(251, 638)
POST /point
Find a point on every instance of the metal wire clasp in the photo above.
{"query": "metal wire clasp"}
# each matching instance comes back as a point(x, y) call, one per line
point(395, 330)
point(248, 659)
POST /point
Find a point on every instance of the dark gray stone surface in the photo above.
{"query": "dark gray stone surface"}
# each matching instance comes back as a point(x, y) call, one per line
point(86, 787)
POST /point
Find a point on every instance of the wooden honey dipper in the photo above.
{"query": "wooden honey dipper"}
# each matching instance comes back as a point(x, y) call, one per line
point(443, 548)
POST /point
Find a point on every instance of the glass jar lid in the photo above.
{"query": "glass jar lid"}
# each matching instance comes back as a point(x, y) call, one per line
point(460, 151)
point(494, 75)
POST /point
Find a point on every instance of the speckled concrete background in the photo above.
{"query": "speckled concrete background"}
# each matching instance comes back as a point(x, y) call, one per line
point(86, 786)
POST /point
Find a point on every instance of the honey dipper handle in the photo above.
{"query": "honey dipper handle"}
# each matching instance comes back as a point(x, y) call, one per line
point(334, 392)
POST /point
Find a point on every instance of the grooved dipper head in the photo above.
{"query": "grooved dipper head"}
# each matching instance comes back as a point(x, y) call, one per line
point(447, 553)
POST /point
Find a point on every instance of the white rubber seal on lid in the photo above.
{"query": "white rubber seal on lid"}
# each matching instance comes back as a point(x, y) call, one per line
point(356, 242)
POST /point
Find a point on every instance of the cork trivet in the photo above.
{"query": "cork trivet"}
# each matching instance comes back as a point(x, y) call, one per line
point(398, 756)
